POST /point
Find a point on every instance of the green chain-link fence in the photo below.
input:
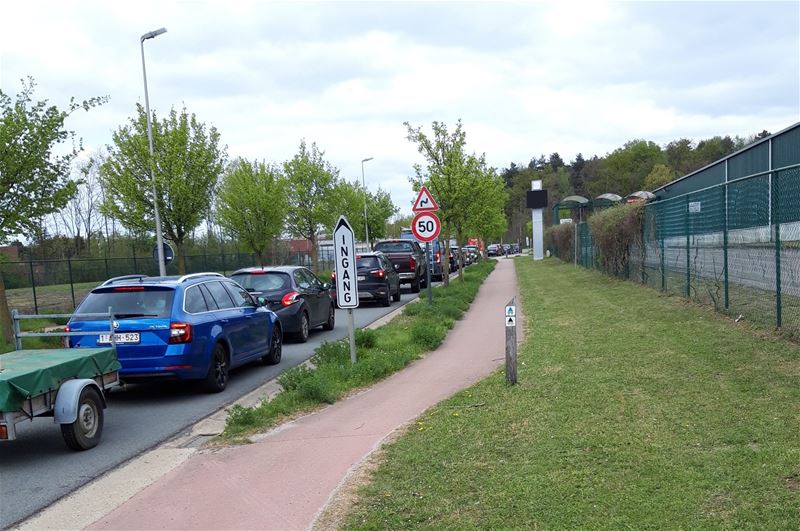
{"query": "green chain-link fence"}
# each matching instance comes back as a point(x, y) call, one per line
point(59, 285)
point(734, 246)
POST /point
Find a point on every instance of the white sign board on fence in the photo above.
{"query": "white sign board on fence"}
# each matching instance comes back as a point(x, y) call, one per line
point(344, 252)
point(694, 206)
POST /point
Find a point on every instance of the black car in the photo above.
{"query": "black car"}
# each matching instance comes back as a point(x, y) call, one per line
point(378, 279)
point(300, 299)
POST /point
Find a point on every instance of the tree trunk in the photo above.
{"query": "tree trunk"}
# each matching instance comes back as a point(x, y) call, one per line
point(180, 258)
point(446, 262)
point(460, 243)
point(6, 327)
point(314, 257)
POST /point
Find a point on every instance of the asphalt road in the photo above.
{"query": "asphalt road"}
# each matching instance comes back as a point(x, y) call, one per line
point(37, 469)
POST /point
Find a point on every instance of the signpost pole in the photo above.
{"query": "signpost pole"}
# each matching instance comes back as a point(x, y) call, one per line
point(351, 328)
point(346, 275)
point(510, 317)
point(428, 272)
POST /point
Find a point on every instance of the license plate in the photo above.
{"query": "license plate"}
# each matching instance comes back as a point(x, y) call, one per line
point(122, 337)
point(362, 277)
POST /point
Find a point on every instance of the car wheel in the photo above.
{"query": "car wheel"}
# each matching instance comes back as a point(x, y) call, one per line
point(415, 285)
point(302, 335)
point(331, 322)
point(273, 356)
point(85, 432)
point(217, 378)
point(396, 296)
point(387, 300)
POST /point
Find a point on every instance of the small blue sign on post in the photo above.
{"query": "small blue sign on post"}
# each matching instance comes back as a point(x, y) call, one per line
point(169, 254)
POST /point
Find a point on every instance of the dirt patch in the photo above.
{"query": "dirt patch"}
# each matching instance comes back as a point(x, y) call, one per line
point(343, 499)
point(792, 482)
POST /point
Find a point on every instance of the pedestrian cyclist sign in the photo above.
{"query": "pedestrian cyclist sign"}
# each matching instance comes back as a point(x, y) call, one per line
point(426, 226)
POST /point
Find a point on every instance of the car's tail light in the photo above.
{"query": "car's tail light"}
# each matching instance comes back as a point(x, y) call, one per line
point(290, 298)
point(412, 264)
point(65, 339)
point(180, 332)
point(333, 276)
point(129, 288)
point(438, 257)
point(380, 273)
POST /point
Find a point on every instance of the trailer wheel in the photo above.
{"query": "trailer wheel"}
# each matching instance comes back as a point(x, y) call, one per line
point(85, 432)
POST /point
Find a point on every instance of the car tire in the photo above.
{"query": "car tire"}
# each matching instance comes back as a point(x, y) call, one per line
point(87, 429)
point(275, 352)
point(302, 334)
point(331, 322)
point(396, 295)
point(387, 301)
point(415, 285)
point(218, 370)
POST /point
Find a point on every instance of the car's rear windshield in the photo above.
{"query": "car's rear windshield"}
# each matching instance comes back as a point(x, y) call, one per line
point(268, 281)
point(367, 262)
point(391, 247)
point(129, 302)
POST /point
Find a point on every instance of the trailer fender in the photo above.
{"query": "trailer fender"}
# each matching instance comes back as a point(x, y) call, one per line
point(66, 410)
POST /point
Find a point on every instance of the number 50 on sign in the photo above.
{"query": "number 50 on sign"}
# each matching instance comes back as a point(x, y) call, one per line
point(426, 226)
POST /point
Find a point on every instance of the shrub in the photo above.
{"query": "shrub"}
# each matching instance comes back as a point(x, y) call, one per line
point(290, 379)
point(614, 230)
point(563, 238)
point(366, 338)
point(428, 335)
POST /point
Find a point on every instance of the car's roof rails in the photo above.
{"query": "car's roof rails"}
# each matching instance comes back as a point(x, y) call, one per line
point(123, 277)
point(184, 278)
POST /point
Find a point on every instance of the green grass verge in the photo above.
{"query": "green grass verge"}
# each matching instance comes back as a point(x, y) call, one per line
point(381, 352)
point(633, 410)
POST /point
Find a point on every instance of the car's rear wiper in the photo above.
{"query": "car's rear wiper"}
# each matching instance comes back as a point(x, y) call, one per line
point(130, 315)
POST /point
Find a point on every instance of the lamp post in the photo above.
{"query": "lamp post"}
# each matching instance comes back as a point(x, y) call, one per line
point(364, 183)
point(162, 269)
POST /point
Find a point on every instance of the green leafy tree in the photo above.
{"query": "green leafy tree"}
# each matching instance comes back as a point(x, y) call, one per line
point(394, 227)
point(623, 171)
point(251, 204)
point(33, 180)
point(187, 163)
point(661, 175)
point(455, 179)
point(311, 185)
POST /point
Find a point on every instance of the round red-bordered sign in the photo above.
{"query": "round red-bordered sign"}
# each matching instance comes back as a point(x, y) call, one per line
point(426, 226)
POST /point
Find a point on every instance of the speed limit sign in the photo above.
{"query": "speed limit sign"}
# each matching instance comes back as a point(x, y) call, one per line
point(426, 226)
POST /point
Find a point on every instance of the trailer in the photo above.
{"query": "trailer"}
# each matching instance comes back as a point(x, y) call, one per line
point(68, 384)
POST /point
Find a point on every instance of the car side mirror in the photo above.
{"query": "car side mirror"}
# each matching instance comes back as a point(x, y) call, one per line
point(396, 266)
point(326, 286)
point(262, 301)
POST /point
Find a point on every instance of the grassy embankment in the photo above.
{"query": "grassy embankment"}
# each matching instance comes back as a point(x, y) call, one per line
point(381, 352)
point(633, 410)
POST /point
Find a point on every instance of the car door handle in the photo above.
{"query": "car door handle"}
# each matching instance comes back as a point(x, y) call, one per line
point(249, 316)
point(223, 320)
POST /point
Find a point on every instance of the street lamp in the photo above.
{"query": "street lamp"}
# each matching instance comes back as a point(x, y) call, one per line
point(363, 182)
point(162, 269)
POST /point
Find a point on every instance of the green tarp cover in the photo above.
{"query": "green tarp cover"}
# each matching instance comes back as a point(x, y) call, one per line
point(27, 373)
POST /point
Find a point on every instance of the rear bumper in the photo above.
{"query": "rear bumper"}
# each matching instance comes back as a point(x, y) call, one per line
point(179, 362)
point(289, 317)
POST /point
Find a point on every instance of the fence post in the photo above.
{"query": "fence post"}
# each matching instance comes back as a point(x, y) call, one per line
point(725, 246)
point(224, 271)
point(135, 268)
point(71, 284)
point(17, 339)
point(688, 262)
point(660, 232)
point(105, 259)
point(33, 287)
point(776, 218)
point(510, 317)
point(644, 246)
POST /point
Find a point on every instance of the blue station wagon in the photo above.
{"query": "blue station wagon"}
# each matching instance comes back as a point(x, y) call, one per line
point(192, 327)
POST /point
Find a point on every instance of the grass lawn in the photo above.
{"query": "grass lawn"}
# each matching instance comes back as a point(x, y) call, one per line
point(633, 410)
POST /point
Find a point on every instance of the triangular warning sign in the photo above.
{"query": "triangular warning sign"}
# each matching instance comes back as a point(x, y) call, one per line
point(424, 201)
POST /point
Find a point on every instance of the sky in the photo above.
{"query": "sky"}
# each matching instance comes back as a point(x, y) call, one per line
point(525, 78)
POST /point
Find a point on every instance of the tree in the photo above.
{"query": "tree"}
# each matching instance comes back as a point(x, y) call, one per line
point(624, 170)
point(311, 182)
point(251, 204)
point(187, 164)
point(34, 181)
point(455, 179)
point(661, 175)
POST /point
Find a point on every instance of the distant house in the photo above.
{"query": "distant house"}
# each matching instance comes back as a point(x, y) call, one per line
point(11, 252)
point(299, 246)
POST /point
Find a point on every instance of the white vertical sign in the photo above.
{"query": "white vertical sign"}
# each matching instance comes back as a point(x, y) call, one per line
point(537, 238)
point(344, 252)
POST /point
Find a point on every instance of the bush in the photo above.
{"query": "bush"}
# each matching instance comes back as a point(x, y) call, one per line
point(563, 238)
point(290, 379)
point(366, 338)
point(614, 230)
point(428, 335)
